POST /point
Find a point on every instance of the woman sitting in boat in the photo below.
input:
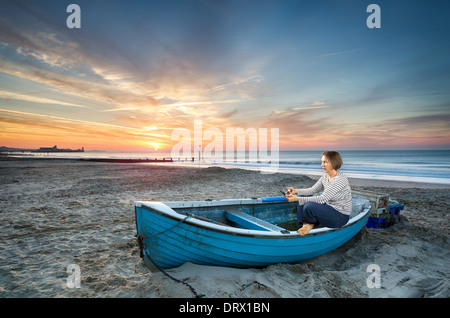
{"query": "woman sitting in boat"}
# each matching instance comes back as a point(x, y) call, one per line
point(331, 208)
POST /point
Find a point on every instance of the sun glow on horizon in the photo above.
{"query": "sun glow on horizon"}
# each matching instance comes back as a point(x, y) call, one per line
point(154, 145)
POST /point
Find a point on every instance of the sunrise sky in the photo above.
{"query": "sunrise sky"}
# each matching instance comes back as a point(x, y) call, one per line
point(137, 70)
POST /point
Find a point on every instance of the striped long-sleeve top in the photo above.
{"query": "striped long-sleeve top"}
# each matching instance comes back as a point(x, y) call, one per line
point(336, 193)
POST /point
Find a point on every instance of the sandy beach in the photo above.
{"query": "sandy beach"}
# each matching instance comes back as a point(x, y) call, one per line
point(55, 213)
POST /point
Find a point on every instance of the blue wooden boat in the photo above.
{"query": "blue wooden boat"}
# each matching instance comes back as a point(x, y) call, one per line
point(234, 233)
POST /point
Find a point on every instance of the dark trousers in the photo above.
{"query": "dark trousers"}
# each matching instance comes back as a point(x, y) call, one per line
point(315, 213)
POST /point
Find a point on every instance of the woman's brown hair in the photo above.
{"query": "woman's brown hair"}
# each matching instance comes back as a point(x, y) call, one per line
point(334, 158)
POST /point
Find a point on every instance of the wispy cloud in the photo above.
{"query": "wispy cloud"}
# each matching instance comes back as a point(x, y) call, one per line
point(310, 107)
point(313, 106)
point(61, 130)
point(68, 120)
point(119, 109)
point(35, 99)
point(202, 103)
point(341, 52)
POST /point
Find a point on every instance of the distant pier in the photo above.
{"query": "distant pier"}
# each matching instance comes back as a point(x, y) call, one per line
point(40, 150)
point(56, 149)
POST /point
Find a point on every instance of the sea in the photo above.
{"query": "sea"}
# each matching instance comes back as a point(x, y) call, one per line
point(427, 166)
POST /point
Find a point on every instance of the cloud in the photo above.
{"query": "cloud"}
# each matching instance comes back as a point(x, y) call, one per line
point(341, 52)
point(64, 120)
point(424, 120)
point(117, 94)
point(201, 103)
point(35, 99)
point(313, 106)
point(310, 107)
point(32, 129)
point(119, 109)
point(104, 71)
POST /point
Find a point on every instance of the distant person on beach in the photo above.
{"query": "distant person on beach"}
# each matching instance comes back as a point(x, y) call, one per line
point(331, 208)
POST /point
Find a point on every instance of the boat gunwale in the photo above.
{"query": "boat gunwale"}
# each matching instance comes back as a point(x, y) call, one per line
point(174, 215)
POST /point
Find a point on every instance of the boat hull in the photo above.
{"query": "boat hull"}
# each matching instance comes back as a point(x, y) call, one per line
point(169, 239)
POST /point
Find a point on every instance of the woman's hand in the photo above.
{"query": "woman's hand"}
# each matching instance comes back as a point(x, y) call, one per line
point(291, 190)
point(291, 197)
point(290, 194)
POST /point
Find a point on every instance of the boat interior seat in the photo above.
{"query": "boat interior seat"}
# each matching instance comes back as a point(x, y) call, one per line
point(250, 222)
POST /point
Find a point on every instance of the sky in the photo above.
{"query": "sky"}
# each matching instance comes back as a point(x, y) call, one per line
point(136, 71)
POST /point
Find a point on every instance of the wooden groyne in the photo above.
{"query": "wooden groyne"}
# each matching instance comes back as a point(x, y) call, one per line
point(115, 160)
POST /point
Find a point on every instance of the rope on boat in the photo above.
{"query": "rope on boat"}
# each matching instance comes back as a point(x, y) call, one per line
point(163, 271)
point(173, 278)
point(171, 227)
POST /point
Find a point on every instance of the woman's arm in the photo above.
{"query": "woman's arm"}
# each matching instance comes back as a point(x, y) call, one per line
point(317, 187)
point(329, 192)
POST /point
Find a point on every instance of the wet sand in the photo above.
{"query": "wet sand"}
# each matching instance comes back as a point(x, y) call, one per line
point(54, 213)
